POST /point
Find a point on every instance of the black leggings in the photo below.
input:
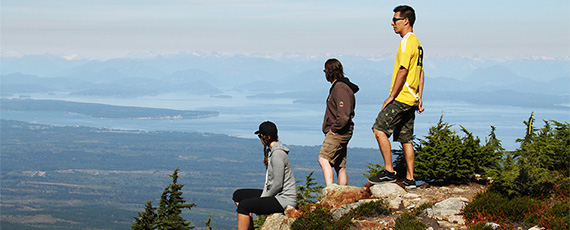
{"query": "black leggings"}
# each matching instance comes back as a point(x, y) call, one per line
point(250, 202)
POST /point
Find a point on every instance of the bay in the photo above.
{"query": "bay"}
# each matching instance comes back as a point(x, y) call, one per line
point(298, 123)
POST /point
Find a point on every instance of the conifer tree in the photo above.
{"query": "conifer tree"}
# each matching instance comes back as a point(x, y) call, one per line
point(171, 205)
point(305, 192)
point(168, 215)
point(146, 220)
point(449, 158)
point(541, 163)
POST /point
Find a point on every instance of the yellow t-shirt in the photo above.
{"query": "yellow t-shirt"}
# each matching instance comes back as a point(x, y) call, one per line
point(410, 56)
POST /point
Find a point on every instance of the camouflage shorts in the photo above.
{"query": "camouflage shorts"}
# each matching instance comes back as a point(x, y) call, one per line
point(398, 119)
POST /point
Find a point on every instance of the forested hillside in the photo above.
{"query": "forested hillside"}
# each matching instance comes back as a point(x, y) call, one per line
point(78, 177)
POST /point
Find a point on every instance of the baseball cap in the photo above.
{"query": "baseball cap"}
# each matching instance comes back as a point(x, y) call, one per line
point(267, 128)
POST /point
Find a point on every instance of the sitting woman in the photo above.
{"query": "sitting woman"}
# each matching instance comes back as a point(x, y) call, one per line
point(279, 190)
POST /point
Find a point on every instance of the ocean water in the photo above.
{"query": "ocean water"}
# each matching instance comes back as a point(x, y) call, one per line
point(298, 124)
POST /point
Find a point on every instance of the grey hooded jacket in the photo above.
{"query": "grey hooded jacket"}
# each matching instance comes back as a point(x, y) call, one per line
point(279, 177)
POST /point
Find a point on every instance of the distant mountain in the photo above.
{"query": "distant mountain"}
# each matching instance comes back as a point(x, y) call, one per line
point(46, 65)
point(295, 76)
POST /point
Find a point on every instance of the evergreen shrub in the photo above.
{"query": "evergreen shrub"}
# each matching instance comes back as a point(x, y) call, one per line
point(541, 164)
point(408, 221)
point(308, 193)
point(320, 219)
point(371, 209)
point(168, 213)
point(531, 185)
point(446, 157)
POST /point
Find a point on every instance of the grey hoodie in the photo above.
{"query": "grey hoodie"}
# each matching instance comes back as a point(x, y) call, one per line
point(279, 177)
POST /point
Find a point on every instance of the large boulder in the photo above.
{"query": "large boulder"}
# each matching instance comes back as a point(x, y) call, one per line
point(277, 221)
point(281, 221)
point(392, 193)
point(448, 212)
point(335, 196)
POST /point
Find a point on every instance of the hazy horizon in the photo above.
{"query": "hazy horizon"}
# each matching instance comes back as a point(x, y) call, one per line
point(108, 29)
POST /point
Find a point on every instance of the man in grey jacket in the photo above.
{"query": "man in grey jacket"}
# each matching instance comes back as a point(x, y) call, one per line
point(337, 123)
point(279, 190)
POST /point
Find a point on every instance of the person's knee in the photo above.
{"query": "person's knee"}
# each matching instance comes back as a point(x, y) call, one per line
point(378, 133)
point(242, 209)
point(322, 161)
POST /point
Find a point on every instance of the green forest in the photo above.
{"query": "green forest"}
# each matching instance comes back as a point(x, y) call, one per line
point(77, 177)
point(99, 178)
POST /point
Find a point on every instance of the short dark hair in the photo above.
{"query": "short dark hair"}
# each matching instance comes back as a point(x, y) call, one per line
point(406, 12)
point(333, 69)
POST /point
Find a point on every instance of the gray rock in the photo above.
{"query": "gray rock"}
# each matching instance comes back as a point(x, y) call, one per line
point(343, 210)
point(277, 221)
point(387, 190)
point(448, 210)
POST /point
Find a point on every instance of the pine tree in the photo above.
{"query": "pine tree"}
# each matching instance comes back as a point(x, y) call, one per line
point(305, 192)
point(168, 215)
point(541, 163)
point(146, 220)
point(446, 157)
point(171, 205)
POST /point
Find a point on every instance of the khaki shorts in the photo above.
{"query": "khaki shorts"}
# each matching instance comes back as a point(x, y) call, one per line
point(398, 119)
point(334, 148)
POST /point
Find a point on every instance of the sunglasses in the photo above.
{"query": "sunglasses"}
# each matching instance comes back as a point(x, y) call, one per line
point(394, 20)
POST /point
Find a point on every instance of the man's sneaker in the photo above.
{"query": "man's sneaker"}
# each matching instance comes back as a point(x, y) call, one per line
point(383, 177)
point(409, 183)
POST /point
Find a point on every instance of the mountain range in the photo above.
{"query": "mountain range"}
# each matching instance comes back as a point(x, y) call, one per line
point(517, 82)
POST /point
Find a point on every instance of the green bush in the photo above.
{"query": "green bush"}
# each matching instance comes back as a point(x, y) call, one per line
point(259, 221)
point(446, 157)
point(308, 193)
point(372, 169)
point(319, 218)
point(541, 163)
point(481, 226)
point(531, 184)
point(420, 209)
point(495, 207)
point(492, 206)
point(371, 209)
point(408, 221)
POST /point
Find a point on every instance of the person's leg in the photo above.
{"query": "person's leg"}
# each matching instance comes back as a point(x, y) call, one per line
point(342, 177)
point(340, 159)
point(245, 222)
point(327, 155)
point(327, 170)
point(409, 156)
point(385, 148)
point(245, 193)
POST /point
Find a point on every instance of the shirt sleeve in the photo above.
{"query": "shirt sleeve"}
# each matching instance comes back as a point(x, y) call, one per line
point(343, 102)
point(406, 53)
point(278, 165)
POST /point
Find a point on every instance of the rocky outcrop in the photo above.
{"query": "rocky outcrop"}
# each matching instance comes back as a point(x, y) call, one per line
point(281, 221)
point(445, 212)
point(448, 212)
point(335, 196)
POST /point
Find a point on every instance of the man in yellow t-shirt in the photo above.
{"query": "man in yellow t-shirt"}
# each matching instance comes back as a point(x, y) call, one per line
point(397, 113)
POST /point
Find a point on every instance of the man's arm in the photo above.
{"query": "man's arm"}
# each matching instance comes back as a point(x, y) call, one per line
point(398, 84)
point(421, 93)
point(341, 93)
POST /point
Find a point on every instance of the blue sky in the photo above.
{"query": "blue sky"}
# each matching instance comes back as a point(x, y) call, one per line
point(103, 29)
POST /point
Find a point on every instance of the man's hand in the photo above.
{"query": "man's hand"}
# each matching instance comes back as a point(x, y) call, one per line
point(420, 106)
point(386, 102)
